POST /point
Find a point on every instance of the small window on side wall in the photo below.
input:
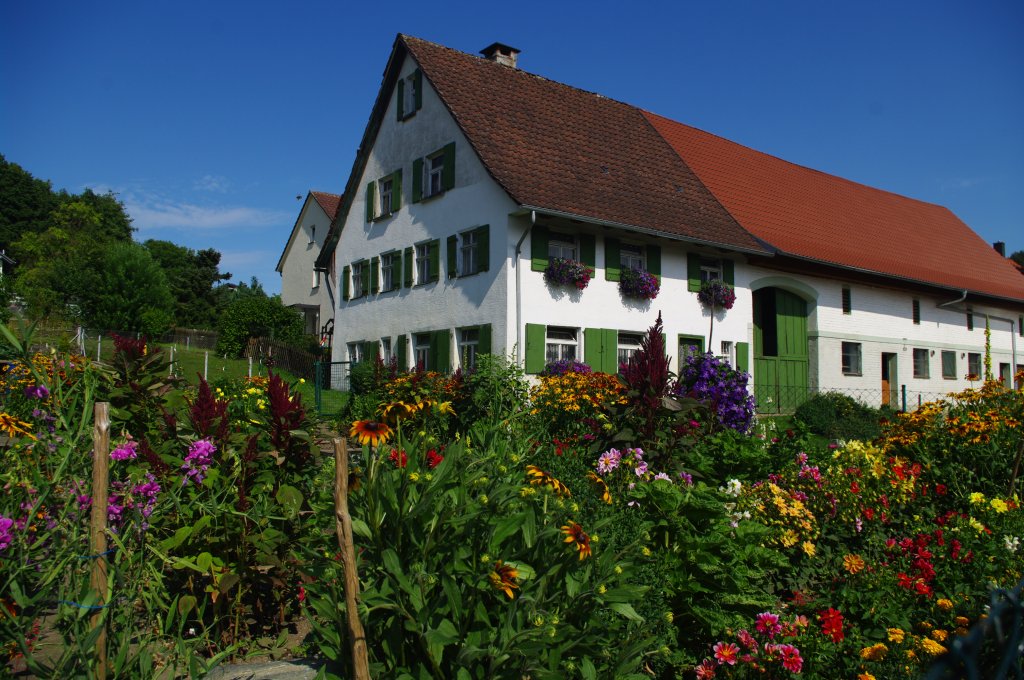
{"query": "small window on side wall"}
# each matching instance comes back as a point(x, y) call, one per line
point(921, 368)
point(852, 358)
point(847, 301)
point(562, 344)
point(916, 311)
point(974, 365)
point(949, 365)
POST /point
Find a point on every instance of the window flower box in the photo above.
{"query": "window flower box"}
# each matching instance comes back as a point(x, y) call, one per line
point(715, 294)
point(639, 284)
point(561, 272)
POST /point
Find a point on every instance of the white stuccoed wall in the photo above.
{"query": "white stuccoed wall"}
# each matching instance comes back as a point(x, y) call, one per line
point(297, 265)
point(474, 201)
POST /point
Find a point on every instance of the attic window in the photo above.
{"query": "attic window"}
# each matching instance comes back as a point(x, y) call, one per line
point(312, 234)
point(710, 270)
point(410, 95)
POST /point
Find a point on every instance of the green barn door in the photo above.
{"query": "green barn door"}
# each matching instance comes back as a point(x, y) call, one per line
point(780, 350)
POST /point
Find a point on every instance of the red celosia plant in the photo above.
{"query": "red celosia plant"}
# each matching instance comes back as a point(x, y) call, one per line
point(209, 415)
point(647, 376)
point(287, 416)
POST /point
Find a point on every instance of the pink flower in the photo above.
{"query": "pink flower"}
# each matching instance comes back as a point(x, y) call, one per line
point(726, 653)
point(706, 670)
point(768, 624)
point(747, 640)
point(791, 659)
point(126, 451)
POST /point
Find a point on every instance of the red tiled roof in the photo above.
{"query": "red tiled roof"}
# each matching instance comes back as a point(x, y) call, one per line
point(555, 147)
point(810, 214)
point(329, 202)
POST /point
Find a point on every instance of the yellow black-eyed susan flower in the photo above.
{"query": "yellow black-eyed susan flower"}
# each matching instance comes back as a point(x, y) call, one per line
point(504, 578)
point(540, 478)
point(370, 432)
point(574, 534)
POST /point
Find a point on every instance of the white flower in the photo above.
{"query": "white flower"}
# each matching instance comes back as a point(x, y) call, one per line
point(732, 487)
point(1012, 543)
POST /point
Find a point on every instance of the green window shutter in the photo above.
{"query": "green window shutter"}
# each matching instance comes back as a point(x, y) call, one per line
point(729, 272)
point(407, 267)
point(344, 282)
point(374, 274)
point(588, 250)
point(693, 272)
point(370, 189)
point(435, 259)
point(612, 259)
point(440, 351)
point(654, 260)
point(417, 88)
point(593, 347)
point(448, 174)
point(366, 277)
point(400, 352)
point(484, 339)
point(417, 180)
point(743, 357)
point(536, 338)
point(453, 249)
point(610, 360)
point(483, 248)
point(371, 350)
point(396, 190)
point(401, 99)
point(539, 248)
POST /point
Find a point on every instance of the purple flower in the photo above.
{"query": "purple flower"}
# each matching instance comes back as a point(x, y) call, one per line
point(198, 460)
point(715, 293)
point(5, 532)
point(608, 461)
point(37, 392)
point(561, 272)
point(662, 475)
point(641, 469)
point(637, 283)
point(563, 366)
point(713, 381)
point(126, 451)
point(687, 478)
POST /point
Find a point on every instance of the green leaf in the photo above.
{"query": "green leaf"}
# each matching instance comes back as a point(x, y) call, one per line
point(179, 537)
point(587, 669)
point(361, 528)
point(626, 610)
point(186, 603)
point(204, 561)
point(290, 500)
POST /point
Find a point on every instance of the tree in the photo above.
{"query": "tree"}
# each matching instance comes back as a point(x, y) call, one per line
point(131, 293)
point(193, 277)
point(25, 202)
point(1018, 257)
point(251, 314)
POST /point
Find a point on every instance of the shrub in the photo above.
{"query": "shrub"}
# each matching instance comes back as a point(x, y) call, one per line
point(837, 416)
point(496, 390)
point(254, 315)
point(712, 380)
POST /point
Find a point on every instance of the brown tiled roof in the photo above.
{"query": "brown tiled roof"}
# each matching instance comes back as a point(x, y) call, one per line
point(810, 214)
point(555, 147)
point(329, 202)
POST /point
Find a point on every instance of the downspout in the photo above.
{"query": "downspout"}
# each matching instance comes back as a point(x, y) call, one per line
point(953, 302)
point(988, 317)
point(519, 292)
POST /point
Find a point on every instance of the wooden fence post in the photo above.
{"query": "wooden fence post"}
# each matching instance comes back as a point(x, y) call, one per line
point(360, 662)
point(98, 527)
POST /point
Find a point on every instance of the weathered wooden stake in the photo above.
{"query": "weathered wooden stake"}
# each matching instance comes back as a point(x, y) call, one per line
point(98, 527)
point(206, 364)
point(360, 663)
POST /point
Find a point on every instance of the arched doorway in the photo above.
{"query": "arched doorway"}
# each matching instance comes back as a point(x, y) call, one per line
point(780, 350)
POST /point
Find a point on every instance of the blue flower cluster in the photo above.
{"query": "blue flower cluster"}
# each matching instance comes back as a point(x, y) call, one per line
point(564, 366)
point(637, 283)
point(712, 380)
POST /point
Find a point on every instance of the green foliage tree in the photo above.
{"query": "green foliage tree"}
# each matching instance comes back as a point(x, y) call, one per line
point(25, 202)
point(193, 277)
point(131, 293)
point(1018, 257)
point(252, 314)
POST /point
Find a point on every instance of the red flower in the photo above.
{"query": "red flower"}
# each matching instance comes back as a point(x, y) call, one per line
point(398, 458)
point(433, 458)
point(302, 594)
point(832, 624)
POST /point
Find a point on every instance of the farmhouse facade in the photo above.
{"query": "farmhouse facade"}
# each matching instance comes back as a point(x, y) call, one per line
point(474, 176)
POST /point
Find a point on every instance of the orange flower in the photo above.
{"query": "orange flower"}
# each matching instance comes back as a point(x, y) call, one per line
point(504, 578)
point(602, 487)
point(574, 534)
point(369, 432)
point(14, 427)
point(853, 564)
point(540, 478)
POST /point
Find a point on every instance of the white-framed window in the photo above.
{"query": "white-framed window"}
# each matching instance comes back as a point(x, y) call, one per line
point(728, 349)
point(434, 174)
point(629, 344)
point(357, 278)
point(469, 344)
point(921, 368)
point(469, 263)
point(852, 358)
point(561, 344)
point(385, 350)
point(710, 270)
point(423, 262)
point(355, 352)
point(562, 246)
point(974, 365)
point(409, 94)
point(421, 350)
point(385, 193)
point(390, 264)
point(316, 278)
point(312, 234)
point(631, 256)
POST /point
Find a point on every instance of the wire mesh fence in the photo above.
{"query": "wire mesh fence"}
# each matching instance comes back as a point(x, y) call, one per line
point(332, 387)
point(785, 399)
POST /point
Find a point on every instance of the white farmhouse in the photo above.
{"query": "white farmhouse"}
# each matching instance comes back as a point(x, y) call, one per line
point(474, 175)
point(304, 287)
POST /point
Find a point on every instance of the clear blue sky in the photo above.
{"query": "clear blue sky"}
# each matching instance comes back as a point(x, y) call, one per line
point(209, 118)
